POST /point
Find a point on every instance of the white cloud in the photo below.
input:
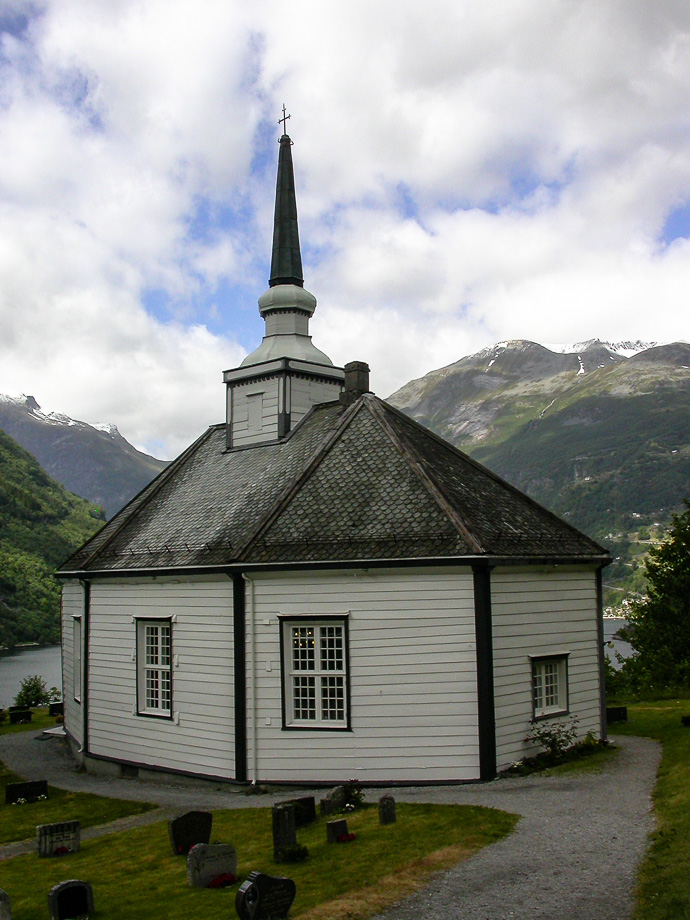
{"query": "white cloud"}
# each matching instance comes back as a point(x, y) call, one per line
point(466, 173)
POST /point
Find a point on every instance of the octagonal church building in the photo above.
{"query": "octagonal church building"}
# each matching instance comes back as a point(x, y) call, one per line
point(319, 588)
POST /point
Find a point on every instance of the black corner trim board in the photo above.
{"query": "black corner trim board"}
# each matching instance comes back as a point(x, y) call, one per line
point(485, 672)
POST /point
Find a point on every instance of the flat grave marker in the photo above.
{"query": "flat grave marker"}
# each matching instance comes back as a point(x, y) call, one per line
point(212, 865)
point(189, 829)
point(265, 897)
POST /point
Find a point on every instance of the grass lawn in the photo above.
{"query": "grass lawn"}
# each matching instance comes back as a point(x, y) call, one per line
point(18, 822)
point(135, 874)
point(663, 890)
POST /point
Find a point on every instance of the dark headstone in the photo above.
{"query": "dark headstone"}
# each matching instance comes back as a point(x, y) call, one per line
point(71, 900)
point(284, 832)
point(264, 897)
point(58, 839)
point(386, 809)
point(305, 810)
point(20, 716)
point(5, 909)
point(29, 791)
point(189, 829)
point(212, 865)
point(335, 830)
point(616, 714)
point(334, 801)
point(56, 709)
point(685, 720)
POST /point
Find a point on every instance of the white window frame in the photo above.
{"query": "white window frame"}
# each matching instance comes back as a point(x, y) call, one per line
point(549, 685)
point(324, 671)
point(154, 667)
point(77, 664)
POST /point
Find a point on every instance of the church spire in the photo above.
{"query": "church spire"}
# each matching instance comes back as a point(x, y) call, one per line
point(286, 259)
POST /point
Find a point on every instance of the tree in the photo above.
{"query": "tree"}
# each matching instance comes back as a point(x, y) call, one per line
point(660, 622)
point(34, 692)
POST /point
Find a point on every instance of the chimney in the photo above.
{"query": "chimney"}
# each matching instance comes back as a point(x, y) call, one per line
point(356, 382)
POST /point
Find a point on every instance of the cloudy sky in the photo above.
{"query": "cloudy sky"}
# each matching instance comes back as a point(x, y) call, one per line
point(466, 173)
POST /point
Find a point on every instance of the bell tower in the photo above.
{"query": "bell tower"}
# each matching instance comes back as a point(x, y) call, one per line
point(276, 384)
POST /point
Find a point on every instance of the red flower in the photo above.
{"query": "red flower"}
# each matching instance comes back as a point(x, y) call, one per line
point(60, 851)
point(346, 838)
point(222, 881)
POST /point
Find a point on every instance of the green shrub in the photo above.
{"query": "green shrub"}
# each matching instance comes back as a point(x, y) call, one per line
point(34, 692)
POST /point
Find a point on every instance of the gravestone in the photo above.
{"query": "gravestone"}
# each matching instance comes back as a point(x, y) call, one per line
point(264, 897)
point(284, 832)
point(189, 829)
point(386, 810)
point(305, 810)
point(56, 709)
point(29, 791)
point(212, 865)
point(335, 830)
point(58, 839)
point(334, 801)
point(5, 909)
point(71, 900)
point(20, 716)
point(616, 714)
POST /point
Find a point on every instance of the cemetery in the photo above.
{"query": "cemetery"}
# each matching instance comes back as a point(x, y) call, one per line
point(202, 865)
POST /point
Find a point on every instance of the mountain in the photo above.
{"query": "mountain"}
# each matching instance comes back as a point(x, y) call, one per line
point(41, 524)
point(599, 434)
point(95, 462)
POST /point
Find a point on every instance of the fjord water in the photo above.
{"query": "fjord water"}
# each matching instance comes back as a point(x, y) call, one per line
point(16, 665)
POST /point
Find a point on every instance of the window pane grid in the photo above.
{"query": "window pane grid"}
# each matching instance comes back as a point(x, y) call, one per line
point(316, 686)
point(548, 680)
point(304, 698)
point(157, 676)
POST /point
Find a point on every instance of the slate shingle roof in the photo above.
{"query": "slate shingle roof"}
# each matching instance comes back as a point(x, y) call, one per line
point(358, 483)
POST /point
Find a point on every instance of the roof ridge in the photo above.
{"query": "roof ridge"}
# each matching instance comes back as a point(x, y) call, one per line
point(375, 405)
point(142, 498)
point(292, 489)
point(408, 420)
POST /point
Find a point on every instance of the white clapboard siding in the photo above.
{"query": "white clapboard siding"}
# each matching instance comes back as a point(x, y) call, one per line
point(242, 433)
point(72, 606)
point(413, 677)
point(306, 393)
point(540, 613)
point(201, 736)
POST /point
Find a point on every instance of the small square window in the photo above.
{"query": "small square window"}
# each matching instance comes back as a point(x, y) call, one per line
point(549, 686)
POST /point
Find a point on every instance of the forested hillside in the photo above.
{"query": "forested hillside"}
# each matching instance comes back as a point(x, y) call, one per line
point(41, 524)
point(599, 437)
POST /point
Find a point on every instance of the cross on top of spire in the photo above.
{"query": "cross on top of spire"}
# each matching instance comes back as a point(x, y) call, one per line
point(284, 119)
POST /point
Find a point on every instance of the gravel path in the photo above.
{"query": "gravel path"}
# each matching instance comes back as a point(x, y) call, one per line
point(573, 855)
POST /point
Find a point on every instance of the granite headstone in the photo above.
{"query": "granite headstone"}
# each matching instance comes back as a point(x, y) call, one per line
point(188, 829)
point(387, 810)
point(212, 865)
point(5, 909)
point(71, 900)
point(58, 839)
point(284, 831)
point(265, 897)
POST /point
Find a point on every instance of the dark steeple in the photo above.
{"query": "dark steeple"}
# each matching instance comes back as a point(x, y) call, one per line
point(286, 260)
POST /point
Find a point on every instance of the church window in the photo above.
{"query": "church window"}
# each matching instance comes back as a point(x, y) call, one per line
point(315, 679)
point(550, 686)
point(154, 667)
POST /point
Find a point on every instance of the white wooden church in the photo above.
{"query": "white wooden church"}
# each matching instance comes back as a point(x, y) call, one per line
point(319, 588)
